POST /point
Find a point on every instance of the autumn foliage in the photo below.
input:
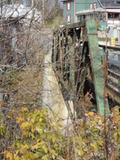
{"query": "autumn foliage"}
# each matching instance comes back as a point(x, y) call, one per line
point(38, 137)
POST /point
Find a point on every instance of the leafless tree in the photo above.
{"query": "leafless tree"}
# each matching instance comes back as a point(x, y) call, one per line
point(22, 44)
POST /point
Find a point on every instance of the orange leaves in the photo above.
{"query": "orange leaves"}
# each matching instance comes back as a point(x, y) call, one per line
point(9, 155)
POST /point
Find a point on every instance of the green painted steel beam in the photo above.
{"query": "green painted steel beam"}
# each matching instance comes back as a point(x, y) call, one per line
point(96, 61)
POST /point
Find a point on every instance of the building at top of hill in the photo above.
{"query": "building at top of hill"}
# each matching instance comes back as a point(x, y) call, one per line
point(74, 8)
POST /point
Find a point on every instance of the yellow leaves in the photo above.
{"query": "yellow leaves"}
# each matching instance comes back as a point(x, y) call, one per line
point(94, 146)
point(9, 155)
point(28, 156)
point(25, 126)
point(23, 151)
point(20, 120)
point(53, 154)
point(24, 109)
point(31, 122)
point(2, 126)
point(46, 157)
point(24, 147)
point(100, 142)
point(42, 138)
point(118, 133)
point(80, 152)
point(16, 157)
point(37, 146)
point(116, 136)
point(45, 148)
point(40, 146)
point(116, 115)
point(2, 129)
point(39, 130)
point(91, 114)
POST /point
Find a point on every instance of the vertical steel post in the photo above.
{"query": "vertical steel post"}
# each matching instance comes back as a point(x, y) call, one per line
point(97, 67)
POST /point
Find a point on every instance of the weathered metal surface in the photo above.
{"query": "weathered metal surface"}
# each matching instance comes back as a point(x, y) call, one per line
point(96, 57)
point(113, 94)
point(72, 68)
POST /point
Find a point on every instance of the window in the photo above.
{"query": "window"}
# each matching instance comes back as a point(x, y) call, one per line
point(94, 6)
point(68, 5)
point(68, 18)
point(91, 6)
point(113, 16)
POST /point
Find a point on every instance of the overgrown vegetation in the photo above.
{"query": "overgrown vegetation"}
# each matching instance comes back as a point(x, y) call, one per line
point(27, 132)
point(24, 86)
point(37, 136)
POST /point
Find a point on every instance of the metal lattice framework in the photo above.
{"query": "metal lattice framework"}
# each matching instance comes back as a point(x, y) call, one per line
point(77, 59)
